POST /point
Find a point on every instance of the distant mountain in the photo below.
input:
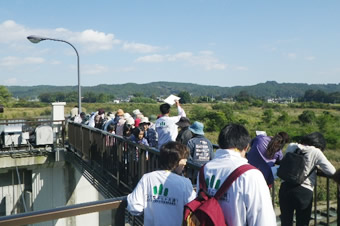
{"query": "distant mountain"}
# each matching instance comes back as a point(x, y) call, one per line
point(267, 89)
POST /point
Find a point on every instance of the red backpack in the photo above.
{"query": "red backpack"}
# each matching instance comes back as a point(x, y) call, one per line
point(205, 209)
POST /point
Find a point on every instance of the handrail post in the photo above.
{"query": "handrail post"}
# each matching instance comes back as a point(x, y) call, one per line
point(273, 194)
point(338, 203)
point(327, 180)
point(315, 201)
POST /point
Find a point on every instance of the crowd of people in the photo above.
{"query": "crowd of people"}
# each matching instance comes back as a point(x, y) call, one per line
point(152, 131)
point(162, 194)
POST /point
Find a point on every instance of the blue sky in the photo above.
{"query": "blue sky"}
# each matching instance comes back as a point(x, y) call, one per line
point(216, 42)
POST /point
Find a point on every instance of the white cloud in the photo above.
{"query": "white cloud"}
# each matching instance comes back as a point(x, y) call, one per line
point(127, 69)
point(139, 47)
point(12, 32)
point(91, 40)
point(310, 58)
point(14, 61)
point(55, 62)
point(151, 58)
point(95, 40)
point(93, 69)
point(207, 52)
point(240, 68)
point(292, 56)
point(206, 59)
point(180, 56)
point(11, 81)
point(208, 62)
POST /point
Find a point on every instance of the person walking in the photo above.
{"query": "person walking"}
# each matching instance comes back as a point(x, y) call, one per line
point(247, 201)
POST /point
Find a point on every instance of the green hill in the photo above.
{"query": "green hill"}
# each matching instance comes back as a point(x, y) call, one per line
point(267, 89)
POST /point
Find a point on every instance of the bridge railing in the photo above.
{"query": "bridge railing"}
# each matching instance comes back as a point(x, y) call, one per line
point(127, 161)
point(115, 205)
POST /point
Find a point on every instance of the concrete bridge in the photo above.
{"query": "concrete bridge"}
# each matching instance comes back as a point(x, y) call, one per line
point(83, 176)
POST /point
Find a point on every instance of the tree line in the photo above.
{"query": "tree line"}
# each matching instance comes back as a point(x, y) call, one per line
point(318, 96)
point(321, 96)
point(261, 90)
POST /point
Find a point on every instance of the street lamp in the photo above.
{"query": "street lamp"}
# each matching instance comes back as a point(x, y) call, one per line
point(37, 39)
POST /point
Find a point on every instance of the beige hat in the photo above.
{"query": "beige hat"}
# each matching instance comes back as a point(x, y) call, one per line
point(120, 112)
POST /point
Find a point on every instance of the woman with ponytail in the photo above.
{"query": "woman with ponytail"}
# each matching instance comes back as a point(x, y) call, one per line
point(265, 152)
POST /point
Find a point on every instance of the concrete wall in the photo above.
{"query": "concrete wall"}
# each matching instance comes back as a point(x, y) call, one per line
point(54, 184)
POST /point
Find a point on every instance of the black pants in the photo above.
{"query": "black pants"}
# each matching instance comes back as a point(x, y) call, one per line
point(292, 197)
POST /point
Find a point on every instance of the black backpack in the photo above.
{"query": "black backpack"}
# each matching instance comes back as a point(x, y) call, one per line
point(292, 167)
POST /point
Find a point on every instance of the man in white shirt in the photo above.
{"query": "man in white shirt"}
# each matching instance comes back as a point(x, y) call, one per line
point(247, 201)
point(166, 127)
point(162, 194)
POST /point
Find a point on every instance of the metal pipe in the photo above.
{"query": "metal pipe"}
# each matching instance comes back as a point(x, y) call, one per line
point(37, 39)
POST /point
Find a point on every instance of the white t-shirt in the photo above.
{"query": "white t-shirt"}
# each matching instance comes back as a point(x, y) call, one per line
point(247, 201)
point(162, 196)
point(166, 127)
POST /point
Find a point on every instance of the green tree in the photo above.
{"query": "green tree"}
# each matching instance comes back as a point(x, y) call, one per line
point(5, 95)
point(90, 97)
point(138, 94)
point(215, 121)
point(307, 116)
point(226, 109)
point(103, 98)
point(284, 117)
point(324, 121)
point(185, 97)
point(243, 96)
point(142, 100)
point(71, 97)
point(268, 115)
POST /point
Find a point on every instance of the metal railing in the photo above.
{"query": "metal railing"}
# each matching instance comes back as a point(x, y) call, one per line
point(123, 159)
point(116, 205)
point(126, 162)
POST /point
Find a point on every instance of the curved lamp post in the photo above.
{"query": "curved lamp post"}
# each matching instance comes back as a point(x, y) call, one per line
point(37, 39)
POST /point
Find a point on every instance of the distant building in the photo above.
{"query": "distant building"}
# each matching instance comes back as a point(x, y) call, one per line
point(281, 100)
point(160, 99)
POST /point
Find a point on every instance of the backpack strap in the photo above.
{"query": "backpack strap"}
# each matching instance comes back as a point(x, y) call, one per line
point(202, 184)
point(232, 177)
point(299, 151)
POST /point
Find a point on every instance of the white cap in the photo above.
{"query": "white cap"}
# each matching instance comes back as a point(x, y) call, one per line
point(136, 112)
point(145, 120)
point(130, 121)
point(127, 115)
